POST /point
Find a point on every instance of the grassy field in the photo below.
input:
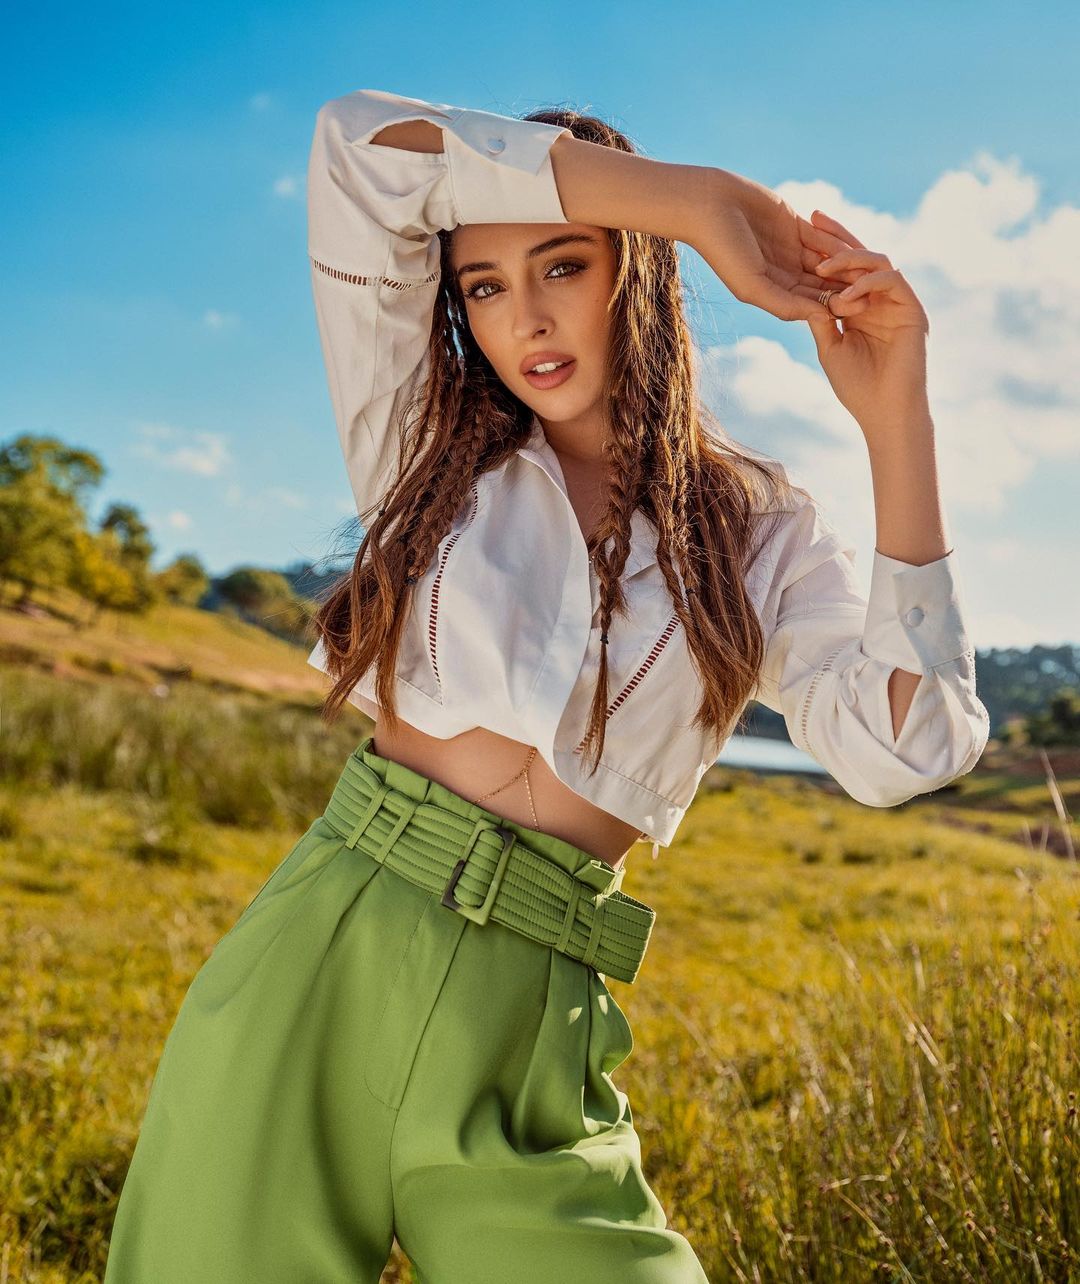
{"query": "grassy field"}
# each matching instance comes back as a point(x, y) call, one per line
point(168, 644)
point(855, 1030)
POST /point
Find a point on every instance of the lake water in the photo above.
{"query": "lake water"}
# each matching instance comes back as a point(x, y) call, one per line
point(759, 753)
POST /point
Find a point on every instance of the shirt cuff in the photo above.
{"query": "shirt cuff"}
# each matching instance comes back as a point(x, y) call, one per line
point(500, 168)
point(914, 619)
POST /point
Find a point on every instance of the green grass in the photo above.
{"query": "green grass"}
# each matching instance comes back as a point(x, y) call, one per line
point(855, 1029)
point(235, 758)
point(165, 645)
point(861, 1068)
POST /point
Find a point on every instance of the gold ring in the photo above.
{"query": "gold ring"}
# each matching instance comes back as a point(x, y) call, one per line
point(823, 299)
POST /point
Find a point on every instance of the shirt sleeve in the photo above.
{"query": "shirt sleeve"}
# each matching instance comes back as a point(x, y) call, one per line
point(374, 212)
point(831, 651)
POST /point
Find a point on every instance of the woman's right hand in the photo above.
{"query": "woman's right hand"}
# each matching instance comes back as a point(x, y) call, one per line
point(750, 238)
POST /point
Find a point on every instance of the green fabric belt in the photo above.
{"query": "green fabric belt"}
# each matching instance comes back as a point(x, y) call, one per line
point(482, 869)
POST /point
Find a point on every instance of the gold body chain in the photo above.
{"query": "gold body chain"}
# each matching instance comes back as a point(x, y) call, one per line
point(524, 771)
point(536, 824)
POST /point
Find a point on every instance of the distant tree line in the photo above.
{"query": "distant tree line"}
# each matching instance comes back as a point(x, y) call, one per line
point(48, 542)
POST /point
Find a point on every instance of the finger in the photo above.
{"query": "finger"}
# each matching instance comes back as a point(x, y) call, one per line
point(817, 238)
point(826, 334)
point(837, 229)
point(838, 277)
point(844, 260)
point(799, 303)
point(888, 282)
point(837, 281)
point(838, 307)
point(812, 288)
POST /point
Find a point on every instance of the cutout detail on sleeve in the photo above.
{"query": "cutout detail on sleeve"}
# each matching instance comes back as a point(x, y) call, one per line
point(354, 278)
point(826, 666)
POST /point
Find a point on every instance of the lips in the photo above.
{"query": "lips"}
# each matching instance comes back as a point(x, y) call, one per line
point(542, 358)
point(553, 378)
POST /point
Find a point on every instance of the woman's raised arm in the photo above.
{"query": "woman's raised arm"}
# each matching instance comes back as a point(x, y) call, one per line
point(606, 187)
point(746, 233)
point(374, 212)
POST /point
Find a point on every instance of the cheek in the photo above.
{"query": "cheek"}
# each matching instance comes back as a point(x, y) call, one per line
point(486, 338)
point(593, 319)
point(598, 299)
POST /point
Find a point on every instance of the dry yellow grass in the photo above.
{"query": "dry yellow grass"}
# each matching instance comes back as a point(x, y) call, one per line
point(853, 1059)
point(168, 640)
point(855, 1030)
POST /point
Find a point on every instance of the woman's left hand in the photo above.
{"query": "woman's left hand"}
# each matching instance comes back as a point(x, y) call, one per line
point(876, 363)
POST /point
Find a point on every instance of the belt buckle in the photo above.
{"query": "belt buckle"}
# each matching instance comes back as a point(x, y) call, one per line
point(482, 912)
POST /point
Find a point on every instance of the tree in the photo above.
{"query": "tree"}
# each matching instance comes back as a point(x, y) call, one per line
point(38, 526)
point(184, 580)
point(43, 486)
point(134, 548)
point(253, 589)
point(99, 575)
point(66, 470)
point(1056, 724)
point(267, 598)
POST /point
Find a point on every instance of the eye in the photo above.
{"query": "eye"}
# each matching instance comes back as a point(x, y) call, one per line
point(473, 291)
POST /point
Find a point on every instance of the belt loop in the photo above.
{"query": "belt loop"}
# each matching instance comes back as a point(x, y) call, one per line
point(409, 805)
point(369, 814)
point(600, 905)
point(571, 915)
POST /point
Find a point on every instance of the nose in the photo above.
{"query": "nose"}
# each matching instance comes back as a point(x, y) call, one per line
point(530, 316)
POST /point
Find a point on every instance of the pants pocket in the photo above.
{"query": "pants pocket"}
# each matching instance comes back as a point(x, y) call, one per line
point(612, 1032)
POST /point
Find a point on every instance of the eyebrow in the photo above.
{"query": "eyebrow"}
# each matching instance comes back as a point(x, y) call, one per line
point(489, 265)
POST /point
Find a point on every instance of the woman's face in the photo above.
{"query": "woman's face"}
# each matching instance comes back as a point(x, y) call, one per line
point(532, 296)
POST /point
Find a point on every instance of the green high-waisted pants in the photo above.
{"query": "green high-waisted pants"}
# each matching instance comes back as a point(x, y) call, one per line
point(356, 1060)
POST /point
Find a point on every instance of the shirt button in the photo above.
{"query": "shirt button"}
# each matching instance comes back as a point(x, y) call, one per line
point(914, 616)
point(496, 145)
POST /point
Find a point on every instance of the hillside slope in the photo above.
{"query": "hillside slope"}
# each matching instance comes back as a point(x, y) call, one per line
point(167, 644)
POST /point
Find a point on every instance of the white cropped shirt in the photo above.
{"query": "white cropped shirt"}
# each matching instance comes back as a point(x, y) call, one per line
point(503, 629)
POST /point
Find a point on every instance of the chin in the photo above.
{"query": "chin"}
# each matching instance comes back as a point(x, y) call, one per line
point(559, 409)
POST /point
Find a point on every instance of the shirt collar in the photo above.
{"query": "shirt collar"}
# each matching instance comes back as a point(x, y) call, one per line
point(537, 449)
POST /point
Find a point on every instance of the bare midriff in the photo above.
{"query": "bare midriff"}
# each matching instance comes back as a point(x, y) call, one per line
point(511, 779)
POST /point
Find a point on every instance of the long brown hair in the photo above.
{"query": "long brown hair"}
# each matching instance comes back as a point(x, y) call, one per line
point(667, 455)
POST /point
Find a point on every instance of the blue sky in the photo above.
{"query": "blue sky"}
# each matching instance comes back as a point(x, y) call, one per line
point(155, 278)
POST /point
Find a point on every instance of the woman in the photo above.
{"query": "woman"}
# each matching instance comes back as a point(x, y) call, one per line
point(564, 579)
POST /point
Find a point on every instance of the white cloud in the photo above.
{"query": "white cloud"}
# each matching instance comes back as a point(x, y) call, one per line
point(1000, 282)
point(178, 520)
point(215, 320)
point(266, 501)
point(261, 101)
point(288, 186)
point(203, 453)
point(156, 432)
point(287, 498)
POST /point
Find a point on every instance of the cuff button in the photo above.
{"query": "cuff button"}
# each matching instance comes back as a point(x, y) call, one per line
point(914, 616)
point(496, 145)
